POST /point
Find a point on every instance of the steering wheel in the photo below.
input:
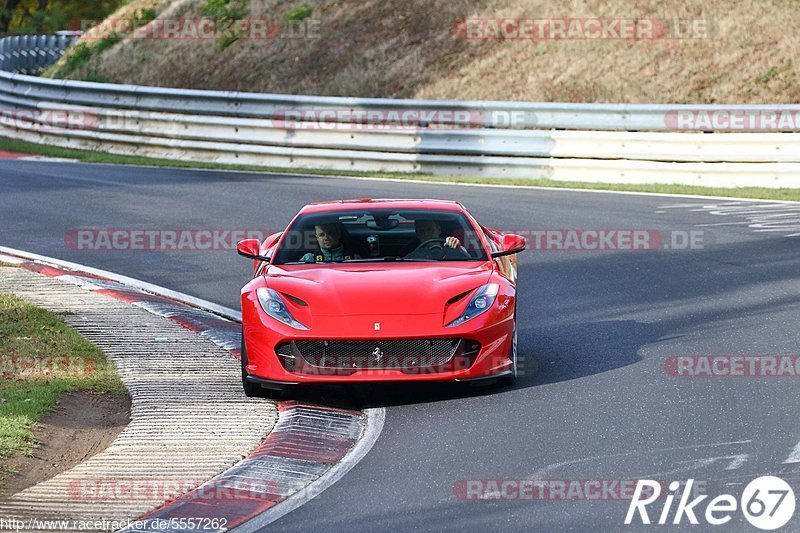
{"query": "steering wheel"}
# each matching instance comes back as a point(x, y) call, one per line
point(423, 244)
point(431, 252)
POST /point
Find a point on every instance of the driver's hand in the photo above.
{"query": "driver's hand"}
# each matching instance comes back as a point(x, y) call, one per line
point(452, 242)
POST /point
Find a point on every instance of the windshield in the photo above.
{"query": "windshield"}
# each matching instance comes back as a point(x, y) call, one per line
point(371, 235)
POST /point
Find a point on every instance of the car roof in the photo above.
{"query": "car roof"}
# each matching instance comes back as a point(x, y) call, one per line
point(392, 203)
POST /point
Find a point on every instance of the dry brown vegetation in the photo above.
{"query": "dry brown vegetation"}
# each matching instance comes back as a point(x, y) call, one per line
point(409, 49)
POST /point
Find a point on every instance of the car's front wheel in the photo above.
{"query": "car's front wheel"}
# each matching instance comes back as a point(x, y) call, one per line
point(508, 379)
point(512, 377)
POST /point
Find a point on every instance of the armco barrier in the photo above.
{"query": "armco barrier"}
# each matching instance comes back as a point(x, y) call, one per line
point(575, 142)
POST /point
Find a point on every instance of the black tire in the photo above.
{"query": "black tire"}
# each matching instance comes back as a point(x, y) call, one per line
point(507, 381)
point(254, 390)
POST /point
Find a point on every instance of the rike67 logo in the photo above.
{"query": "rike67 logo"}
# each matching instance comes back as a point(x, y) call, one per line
point(767, 502)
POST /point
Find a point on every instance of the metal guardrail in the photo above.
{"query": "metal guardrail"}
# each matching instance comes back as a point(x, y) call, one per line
point(479, 114)
point(247, 133)
point(581, 142)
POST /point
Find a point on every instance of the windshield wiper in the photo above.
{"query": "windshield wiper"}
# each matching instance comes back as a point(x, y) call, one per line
point(388, 258)
point(365, 260)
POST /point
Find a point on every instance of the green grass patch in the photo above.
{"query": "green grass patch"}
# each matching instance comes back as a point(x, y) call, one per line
point(82, 53)
point(767, 76)
point(42, 358)
point(104, 44)
point(148, 14)
point(763, 193)
point(224, 9)
point(76, 58)
point(298, 13)
point(226, 13)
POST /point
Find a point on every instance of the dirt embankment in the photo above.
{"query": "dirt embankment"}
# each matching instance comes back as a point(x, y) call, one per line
point(704, 52)
point(81, 425)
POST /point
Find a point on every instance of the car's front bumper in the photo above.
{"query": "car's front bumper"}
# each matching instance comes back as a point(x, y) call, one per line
point(262, 335)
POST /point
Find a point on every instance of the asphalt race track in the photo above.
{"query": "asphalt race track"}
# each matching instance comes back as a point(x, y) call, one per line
point(595, 401)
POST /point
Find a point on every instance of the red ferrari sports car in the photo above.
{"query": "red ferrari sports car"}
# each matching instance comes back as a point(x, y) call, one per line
point(379, 290)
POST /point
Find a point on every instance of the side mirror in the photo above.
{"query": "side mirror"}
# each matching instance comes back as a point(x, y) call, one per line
point(250, 248)
point(512, 244)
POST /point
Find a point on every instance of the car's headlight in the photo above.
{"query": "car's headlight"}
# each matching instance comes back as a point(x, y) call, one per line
point(480, 302)
point(272, 304)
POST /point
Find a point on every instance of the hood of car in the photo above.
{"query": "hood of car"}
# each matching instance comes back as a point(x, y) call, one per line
point(377, 289)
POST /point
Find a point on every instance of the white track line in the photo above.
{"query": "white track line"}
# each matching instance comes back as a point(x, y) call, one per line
point(568, 189)
point(794, 457)
point(257, 170)
point(375, 420)
point(226, 312)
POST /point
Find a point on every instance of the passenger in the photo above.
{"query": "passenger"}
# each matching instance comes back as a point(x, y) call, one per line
point(329, 238)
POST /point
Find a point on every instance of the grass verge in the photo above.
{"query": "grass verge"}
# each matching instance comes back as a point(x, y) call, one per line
point(86, 156)
point(42, 358)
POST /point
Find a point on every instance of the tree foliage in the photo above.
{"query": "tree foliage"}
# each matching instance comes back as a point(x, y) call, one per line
point(47, 16)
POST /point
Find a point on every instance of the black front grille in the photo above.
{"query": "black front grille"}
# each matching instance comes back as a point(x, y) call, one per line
point(401, 354)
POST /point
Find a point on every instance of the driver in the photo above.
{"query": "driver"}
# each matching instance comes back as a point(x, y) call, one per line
point(329, 238)
point(429, 233)
point(430, 229)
